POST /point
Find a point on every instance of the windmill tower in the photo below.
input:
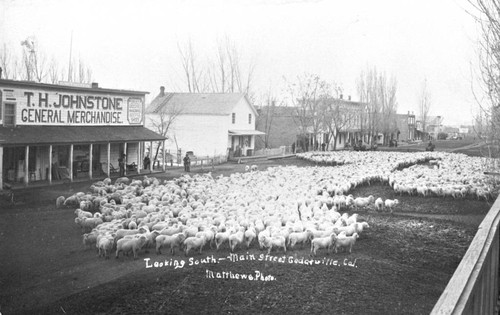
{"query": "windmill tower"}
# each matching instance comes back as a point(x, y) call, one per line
point(30, 58)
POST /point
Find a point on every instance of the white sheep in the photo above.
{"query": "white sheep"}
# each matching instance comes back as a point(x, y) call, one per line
point(221, 238)
point(60, 201)
point(346, 242)
point(236, 239)
point(323, 242)
point(349, 230)
point(391, 203)
point(379, 204)
point(194, 242)
point(120, 233)
point(250, 235)
point(361, 226)
point(363, 202)
point(275, 241)
point(130, 245)
point(299, 238)
point(352, 219)
point(87, 224)
point(105, 245)
point(83, 214)
point(262, 236)
point(173, 241)
point(89, 239)
point(208, 234)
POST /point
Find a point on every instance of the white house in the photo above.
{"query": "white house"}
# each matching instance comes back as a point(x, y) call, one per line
point(208, 124)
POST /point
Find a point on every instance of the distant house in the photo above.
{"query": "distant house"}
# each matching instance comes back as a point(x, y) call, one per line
point(278, 125)
point(405, 127)
point(281, 127)
point(451, 132)
point(433, 127)
point(208, 124)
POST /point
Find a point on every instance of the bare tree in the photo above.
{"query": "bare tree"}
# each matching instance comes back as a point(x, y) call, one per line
point(53, 72)
point(389, 102)
point(190, 66)
point(370, 95)
point(33, 65)
point(424, 105)
point(267, 114)
point(222, 74)
point(162, 123)
point(338, 116)
point(306, 95)
point(379, 95)
point(487, 122)
point(6, 63)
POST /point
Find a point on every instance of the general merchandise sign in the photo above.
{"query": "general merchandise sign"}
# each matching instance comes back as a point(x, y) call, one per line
point(37, 107)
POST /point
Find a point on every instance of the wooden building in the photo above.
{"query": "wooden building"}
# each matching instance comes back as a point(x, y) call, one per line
point(54, 132)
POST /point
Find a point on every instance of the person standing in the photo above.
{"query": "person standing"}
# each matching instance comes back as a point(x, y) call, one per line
point(121, 164)
point(187, 163)
point(147, 162)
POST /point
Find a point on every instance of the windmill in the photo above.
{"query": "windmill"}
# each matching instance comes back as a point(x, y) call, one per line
point(30, 57)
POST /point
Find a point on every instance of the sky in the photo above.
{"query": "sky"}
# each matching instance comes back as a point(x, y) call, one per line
point(134, 44)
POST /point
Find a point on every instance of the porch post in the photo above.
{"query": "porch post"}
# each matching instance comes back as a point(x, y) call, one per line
point(91, 148)
point(125, 160)
point(71, 162)
point(50, 164)
point(151, 165)
point(163, 154)
point(26, 162)
point(109, 160)
point(139, 157)
point(1, 168)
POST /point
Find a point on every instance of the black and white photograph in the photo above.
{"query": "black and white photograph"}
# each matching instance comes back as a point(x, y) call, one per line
point(249, 157)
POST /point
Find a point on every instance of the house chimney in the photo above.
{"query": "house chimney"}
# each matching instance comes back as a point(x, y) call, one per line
point(349, 98)
point(162, 91)
point(95, 85)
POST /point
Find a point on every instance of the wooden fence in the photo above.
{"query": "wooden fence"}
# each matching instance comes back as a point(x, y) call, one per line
point(473, 288)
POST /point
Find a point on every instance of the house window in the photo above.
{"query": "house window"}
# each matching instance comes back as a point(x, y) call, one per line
point(10, 114)
point(249, 118)
point(233, 117)
point(1, 105)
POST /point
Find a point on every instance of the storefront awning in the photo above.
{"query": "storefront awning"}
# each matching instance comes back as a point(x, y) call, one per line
point(246, 133)
point(45, 135)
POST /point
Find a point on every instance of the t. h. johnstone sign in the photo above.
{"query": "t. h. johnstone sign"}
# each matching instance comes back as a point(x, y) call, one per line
point(38, 107)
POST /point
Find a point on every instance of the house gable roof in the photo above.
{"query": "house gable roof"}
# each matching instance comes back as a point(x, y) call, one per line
point(198, 103)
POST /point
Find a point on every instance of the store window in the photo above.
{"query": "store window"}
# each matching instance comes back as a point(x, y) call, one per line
point(9, 114)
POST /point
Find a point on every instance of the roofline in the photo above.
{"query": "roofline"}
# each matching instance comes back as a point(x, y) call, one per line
point(59, 87)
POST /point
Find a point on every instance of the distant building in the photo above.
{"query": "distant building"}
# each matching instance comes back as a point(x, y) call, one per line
point(405, 130)
point(281, 127)
point(433, 127)
point(278, 125)
point(208, 124)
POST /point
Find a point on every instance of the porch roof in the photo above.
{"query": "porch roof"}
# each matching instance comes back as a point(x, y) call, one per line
point(246, 133)
point(45, 135)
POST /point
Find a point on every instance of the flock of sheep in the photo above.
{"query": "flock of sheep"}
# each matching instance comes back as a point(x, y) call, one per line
point(424, 174)
point(277, 209)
